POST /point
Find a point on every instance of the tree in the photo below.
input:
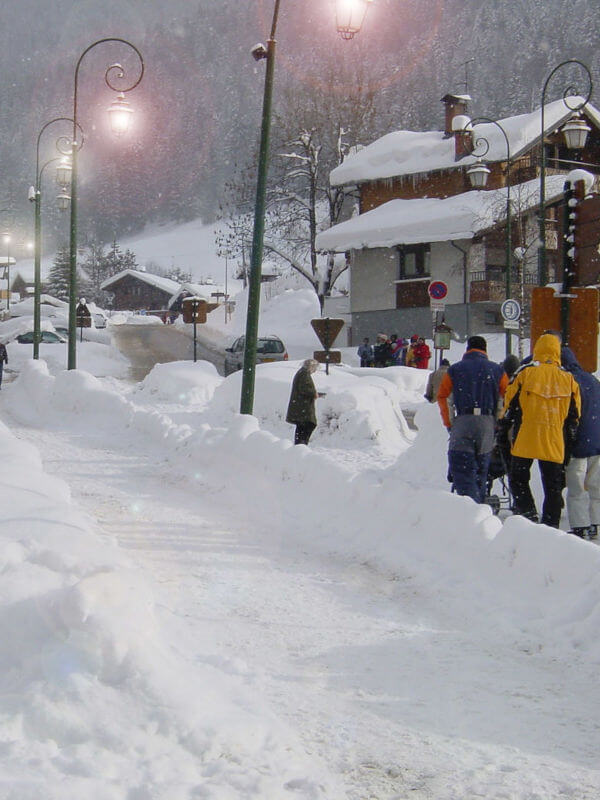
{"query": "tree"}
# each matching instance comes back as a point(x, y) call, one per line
point(57, 283)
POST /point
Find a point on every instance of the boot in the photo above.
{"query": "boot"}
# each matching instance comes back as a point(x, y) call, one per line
point(583, 533)
point(593, 531)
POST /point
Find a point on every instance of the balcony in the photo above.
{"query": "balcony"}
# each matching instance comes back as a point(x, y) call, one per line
point(490, 285)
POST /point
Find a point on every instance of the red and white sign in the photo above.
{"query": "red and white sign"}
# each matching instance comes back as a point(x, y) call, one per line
point(437, 290)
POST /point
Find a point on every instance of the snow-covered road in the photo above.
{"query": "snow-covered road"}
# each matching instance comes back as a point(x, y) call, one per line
point(381, 682)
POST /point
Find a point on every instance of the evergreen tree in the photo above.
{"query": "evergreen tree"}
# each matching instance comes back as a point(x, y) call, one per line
point(57, 283)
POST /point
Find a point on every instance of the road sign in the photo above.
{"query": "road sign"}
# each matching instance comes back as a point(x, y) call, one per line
point(437, 290)
point(194, 309)
point(327, 330)
point(328, 356)
point(511, 311)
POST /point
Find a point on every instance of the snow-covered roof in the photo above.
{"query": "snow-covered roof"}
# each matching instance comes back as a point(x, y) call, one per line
point(165, 284)
point(433, 219)
point(412, 152)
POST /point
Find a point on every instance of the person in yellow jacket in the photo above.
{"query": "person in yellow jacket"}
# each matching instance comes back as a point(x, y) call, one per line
point(543, 405)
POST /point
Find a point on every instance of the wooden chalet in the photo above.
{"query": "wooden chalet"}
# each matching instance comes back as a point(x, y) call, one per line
point(420, 219)
point(136, 290)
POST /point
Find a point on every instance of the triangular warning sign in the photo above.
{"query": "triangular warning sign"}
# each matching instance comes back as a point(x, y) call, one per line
point(327, 330)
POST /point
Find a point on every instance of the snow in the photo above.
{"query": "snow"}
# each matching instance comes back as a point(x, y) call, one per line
point(413, 152)
point(192, 607)
point(432, 219)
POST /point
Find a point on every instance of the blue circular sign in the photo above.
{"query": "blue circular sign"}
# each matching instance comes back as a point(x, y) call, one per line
point(510, 310)
point(437, 290)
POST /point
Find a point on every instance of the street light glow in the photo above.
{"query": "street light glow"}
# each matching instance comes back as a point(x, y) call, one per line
point(350, 15)
point(119, 113)
point(63, 172)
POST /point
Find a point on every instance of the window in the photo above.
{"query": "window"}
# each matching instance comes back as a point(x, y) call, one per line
point(414, 261)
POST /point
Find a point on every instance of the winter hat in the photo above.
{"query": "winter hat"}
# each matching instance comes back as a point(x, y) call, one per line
point(511, 364)
point(414, 338)
point(444, 362)
point(477, 343)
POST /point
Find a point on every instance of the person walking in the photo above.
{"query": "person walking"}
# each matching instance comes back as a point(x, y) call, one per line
point(476, 384)
point(301, 408)
point(583, 467)
point(434, 380)
point(3, 360)
point(542, 399)
point(365, 353)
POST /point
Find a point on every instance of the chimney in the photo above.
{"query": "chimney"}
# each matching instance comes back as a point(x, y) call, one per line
point(455, 104)
point(463, 136)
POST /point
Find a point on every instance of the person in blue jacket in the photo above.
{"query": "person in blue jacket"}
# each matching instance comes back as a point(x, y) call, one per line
point(477, 384)
point(583, 468)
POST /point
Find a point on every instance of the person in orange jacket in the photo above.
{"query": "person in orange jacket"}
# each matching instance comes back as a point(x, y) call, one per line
point(543, 406)
point(476, 385)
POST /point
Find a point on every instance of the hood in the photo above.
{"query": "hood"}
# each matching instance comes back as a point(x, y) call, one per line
point(569, 359)
point(547, 349)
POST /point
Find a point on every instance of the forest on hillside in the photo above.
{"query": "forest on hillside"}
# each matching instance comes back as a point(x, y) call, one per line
point(198, 107)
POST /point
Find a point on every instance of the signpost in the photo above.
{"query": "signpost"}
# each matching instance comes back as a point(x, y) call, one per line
point(327, 330)
point(83, 317)
point(511, 314)
point(194, 311)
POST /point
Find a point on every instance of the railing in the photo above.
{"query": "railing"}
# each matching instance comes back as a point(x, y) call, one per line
point(498, 276)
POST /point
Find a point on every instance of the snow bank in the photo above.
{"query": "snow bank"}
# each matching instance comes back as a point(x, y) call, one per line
point(93, 703)
point(540, 583)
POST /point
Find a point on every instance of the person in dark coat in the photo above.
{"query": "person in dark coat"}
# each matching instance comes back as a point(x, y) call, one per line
point(3, 360)
point(476, 384)
point(381, 351)
point(301, 409)
point(583, 468)
point(365, 353)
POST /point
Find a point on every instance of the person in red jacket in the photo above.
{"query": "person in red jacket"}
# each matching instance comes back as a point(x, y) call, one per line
point(422, 354)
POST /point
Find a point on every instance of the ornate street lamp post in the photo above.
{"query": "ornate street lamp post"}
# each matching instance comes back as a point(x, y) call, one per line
point(64, 146)
point(478, 175)
point(575, 132)
point(120, 114)
point(349, 13)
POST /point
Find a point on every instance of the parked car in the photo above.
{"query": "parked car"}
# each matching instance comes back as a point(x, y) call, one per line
point(268, 348)
point(47, 337)
point(99, 320)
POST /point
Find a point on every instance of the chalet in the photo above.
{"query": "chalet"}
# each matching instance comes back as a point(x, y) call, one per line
point(135, 290)
point(420, 219)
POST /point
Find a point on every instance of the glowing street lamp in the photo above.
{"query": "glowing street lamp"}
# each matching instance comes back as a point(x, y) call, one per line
point(347, 25)
point(119, 114)
point(349, 16)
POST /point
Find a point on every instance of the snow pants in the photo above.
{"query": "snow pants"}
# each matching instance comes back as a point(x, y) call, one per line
point(553, 481)
point(469, 453)
point(583, 491)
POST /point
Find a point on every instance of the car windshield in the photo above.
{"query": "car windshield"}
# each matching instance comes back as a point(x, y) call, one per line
point(269, 346)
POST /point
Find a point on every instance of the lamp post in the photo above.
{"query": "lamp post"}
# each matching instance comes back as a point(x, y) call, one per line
point(478, 175)
point(120, 116)
point(349, 17)
point(6, 240)
point(64, 146)
point(575, 132)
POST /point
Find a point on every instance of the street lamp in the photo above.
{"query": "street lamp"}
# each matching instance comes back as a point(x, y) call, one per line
point(575, 132)
point(6, 240)
point(267, 52)
point(478, 175)
point(64, 146)
point(349, 16)
point(120, 116)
